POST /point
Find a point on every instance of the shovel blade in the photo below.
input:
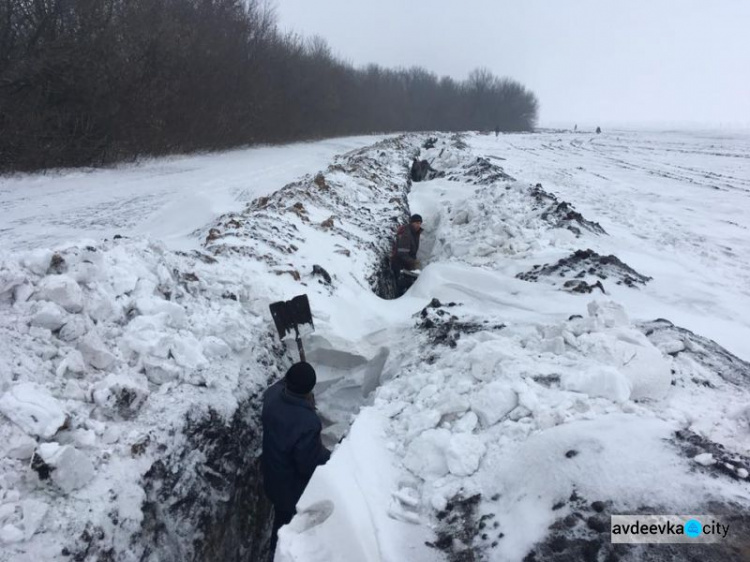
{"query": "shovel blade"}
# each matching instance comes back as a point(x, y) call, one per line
point(288, 315)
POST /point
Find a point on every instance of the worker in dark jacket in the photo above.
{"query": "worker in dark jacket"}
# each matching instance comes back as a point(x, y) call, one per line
point(404, 252)
point(422, 171)
point(292, 447)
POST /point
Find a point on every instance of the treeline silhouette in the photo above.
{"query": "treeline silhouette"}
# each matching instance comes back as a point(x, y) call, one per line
point(87, 82)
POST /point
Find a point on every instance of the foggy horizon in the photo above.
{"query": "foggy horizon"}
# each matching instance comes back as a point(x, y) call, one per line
point(641, 65)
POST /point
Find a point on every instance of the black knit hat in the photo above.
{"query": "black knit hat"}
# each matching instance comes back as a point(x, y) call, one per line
point(415, 218)
point(300, 378)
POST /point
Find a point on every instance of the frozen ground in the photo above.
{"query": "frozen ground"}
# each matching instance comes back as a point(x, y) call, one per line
point(514, 398)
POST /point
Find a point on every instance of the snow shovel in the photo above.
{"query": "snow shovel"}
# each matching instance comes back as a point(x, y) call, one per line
point(289, 315)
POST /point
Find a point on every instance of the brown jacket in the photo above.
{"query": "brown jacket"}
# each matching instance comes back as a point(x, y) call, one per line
point(405, 248)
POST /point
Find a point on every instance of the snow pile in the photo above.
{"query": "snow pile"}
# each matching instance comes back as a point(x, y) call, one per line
point(105, 350)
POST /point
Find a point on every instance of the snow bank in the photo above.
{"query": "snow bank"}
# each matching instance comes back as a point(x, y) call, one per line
point(91, 336)
point(360, 508)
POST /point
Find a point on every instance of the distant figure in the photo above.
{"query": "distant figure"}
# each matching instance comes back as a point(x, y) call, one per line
point(575, 127)
point(404, 253)
point(497, 131)
point(292, 447)
point(422, 171)
point(598, 130)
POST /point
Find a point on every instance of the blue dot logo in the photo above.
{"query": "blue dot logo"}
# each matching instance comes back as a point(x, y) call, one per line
point(693, 528)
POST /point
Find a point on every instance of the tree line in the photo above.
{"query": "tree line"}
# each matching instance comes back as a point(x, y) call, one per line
point(88, 82)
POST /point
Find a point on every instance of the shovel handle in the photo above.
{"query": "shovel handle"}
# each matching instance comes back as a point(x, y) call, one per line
point(298, 339)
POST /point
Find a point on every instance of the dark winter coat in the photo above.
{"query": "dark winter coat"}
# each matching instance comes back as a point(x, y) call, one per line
point(291, 446)
point(422, 171)
point(405, 248)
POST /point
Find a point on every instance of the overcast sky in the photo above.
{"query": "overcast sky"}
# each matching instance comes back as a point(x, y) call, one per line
point(636, 62)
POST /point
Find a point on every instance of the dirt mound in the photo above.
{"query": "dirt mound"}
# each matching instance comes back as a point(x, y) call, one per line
point(583, 264)
point(707, 353)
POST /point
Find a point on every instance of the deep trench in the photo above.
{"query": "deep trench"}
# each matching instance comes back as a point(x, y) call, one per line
point(222, 497)
point(215, 509)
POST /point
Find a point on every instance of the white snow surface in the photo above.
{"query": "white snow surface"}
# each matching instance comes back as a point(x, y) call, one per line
point(544, 393)
point(165, 198)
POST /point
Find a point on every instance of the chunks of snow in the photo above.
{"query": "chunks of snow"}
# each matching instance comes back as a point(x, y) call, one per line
point(644, 365)
point(37, 261)
point(188, 352)
point(73, 329)
point(120, 396)
point(72, 365)
point(10, 534)
point(493, 402)
point(71, 469)
point(706, 459)
point(33, 515)
point(86, 266)
point(426, 454)
point(554, 345)
point(451, 402)
point(174, 313)
point(20, 447)
point(49, 315)
point(407, 496)
point(62, 290)
point(10, 280)
point(667, 343)
point(102, 308)
point(485, 361)
point(33, 409)
point(22, 292)
point(603, 381)
point(122, 280)
point(466, 423)
point(79, 438)
point(616, 344)
point(145, 335)
point(7, 510)
point(84, 438)
point(423, 420)
point(94, 352)
point(160, 371)
point(608, 314)
point(215, 348)
point(436, 452)
point(463, 454)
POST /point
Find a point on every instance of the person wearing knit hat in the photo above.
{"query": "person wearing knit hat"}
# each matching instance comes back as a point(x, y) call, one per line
point(404, 252)
point(300, 378)
point(292, 447)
